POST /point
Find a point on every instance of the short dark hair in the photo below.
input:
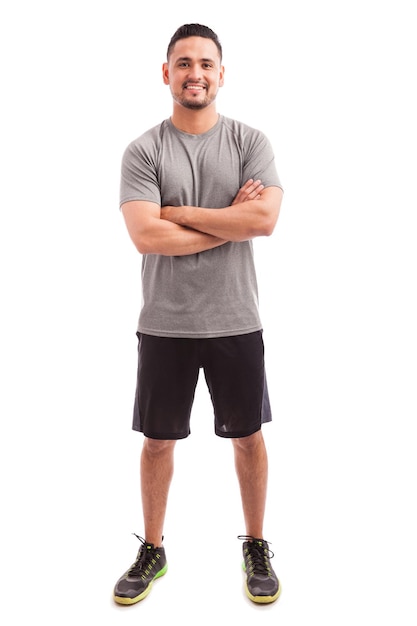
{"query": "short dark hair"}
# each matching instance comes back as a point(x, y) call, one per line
point(194, 30)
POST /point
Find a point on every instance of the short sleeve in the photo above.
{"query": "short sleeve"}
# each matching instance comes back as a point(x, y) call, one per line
point(259, 161)
point(139, 172)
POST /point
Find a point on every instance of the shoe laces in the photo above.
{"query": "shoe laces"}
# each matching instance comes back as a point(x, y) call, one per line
point(259, 555)
point(145, 555)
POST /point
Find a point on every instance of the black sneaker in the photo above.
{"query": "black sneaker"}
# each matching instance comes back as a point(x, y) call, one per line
point(136, 583)
point(262, 584)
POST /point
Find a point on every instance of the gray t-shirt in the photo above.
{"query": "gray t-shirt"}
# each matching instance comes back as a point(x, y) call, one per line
point(212, 293)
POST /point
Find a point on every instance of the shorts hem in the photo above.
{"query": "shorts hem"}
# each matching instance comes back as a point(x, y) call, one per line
point(237, 435)
point(162, 436)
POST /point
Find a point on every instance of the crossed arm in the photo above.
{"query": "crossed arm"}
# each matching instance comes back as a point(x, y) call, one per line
point(178, 231)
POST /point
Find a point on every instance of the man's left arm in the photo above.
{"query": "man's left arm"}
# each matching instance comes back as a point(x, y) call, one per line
point(239, 222)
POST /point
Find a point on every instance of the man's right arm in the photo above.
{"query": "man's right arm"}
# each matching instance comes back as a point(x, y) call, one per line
point(152, 235)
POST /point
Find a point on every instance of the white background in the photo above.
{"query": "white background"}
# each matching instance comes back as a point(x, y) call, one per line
point(333, 86)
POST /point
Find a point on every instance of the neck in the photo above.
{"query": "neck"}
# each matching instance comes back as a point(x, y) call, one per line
point(194, 122)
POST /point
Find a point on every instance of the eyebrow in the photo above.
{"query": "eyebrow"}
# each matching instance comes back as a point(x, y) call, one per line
point(190, 59)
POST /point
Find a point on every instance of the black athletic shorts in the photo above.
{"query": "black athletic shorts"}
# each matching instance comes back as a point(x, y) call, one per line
point(168, 370)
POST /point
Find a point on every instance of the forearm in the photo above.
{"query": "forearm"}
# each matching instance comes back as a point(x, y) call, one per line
point(169, 239)
point(224, 223)
point(152, 235)
point(239, 222)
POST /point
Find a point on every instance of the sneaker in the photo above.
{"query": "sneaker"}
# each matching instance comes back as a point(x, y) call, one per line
point(136, 583)
point(262, 584)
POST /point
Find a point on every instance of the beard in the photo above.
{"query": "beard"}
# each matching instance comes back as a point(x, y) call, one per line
point(192, 102)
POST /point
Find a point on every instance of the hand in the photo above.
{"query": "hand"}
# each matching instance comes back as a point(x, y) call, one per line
point(251, 190)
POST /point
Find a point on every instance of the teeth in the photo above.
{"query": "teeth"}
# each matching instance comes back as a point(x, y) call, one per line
point(194, 87)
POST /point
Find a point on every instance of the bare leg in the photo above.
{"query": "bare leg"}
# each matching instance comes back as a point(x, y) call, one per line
point(252, 471)
point(157, 468)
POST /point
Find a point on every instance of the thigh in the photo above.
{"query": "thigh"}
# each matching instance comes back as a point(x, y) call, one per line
point(168, 371)
point(235, 373)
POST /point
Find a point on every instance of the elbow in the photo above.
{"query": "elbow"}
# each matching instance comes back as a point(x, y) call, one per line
point(268, 228)
point(141, 248)
point(269, 212)
point(144, 247)
point(143, 244)
point(257, 230)
point(270, 219)
point(266, 225)
point(261, 228)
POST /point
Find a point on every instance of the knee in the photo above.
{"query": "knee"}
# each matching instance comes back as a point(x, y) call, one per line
point(248, 444)
point(157, 447)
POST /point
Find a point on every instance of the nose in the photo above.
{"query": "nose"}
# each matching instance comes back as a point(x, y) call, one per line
point(195, 72)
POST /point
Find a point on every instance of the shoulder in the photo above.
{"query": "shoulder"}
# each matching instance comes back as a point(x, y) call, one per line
point(242, 131)
point(148, 142)
point(248, 139)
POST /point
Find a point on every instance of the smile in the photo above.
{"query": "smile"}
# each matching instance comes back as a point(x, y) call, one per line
point(195, 87)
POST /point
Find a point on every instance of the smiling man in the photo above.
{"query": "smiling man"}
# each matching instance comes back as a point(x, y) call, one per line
point(195, 191)
point(194, 78)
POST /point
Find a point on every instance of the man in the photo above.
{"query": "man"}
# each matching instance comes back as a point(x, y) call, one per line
point(195, 190)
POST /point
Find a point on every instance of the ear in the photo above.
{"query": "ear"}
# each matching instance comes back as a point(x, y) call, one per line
point(165, 73)
point(221, 76)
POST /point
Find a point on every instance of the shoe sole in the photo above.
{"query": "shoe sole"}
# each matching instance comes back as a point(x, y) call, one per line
point(141, 596)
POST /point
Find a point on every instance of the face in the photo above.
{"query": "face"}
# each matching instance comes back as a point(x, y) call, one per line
point(194, 72)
